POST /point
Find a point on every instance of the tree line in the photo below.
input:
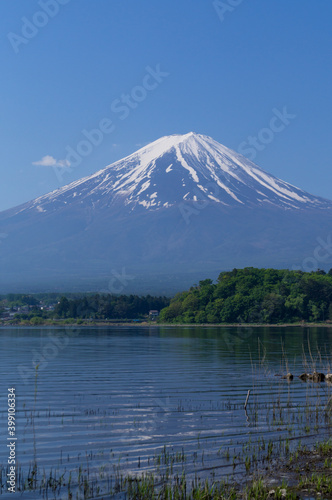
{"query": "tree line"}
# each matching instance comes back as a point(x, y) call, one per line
point(253, 295)
point(109, 306)
point(72, 307)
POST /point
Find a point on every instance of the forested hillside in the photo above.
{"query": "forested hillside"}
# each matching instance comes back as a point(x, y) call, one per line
point(253, 295)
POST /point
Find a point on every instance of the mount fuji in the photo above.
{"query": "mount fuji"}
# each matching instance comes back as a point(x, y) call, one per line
point(175, 210)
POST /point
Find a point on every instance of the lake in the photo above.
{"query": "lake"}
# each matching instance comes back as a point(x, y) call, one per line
point(109, 402)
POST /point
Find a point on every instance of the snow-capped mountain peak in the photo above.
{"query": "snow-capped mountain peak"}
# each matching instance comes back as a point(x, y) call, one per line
point(181, 168)
point(130, 216)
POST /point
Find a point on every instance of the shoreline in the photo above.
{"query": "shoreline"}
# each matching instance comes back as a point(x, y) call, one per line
point(300, 474)
point(145, 324)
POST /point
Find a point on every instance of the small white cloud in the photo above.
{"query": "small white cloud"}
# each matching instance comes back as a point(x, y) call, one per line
point(49, 161)
point(46, 161)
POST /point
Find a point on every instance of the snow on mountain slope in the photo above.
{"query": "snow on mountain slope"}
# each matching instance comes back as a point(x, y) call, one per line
point(177, 169)
point(129, 216)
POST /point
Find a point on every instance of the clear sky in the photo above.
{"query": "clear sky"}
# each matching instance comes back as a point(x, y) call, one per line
point(139, 70)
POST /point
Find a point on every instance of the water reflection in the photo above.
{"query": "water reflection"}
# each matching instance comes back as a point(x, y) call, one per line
point(113, 398)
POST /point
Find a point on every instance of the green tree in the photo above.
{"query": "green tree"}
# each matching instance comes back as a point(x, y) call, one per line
point(330, 311)
point(255, 295)
point(36, 320)
point(62, 308)
point(295, 306)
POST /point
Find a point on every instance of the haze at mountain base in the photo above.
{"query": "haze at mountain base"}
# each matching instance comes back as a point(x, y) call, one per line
point(181, 205)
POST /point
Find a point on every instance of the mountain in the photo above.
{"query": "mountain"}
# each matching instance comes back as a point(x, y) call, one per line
point(183, 205)
point(175, 169)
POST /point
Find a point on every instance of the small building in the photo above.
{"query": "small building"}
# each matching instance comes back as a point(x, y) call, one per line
point(153, 315)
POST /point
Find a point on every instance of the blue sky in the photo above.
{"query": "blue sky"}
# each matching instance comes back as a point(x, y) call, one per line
point(221, 70)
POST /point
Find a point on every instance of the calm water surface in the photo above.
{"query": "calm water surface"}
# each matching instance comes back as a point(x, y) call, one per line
point(109, 400)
